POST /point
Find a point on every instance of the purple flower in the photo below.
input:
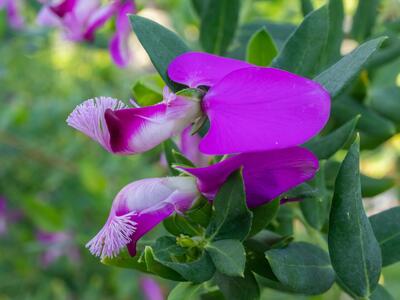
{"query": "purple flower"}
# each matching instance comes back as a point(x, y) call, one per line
point(143, 204)
point(151, 289)
point(252, 108)
point(124, 130)
point(266, 175)
point(138, 208)
point(57, 244)
point(81, 18)
point(13, 9)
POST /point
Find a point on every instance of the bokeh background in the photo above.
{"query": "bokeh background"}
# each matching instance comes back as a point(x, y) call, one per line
point(56, 185)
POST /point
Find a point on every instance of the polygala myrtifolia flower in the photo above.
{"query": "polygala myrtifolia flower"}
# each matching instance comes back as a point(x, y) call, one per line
point(13, 10)
point(143, 204)
point(250, 109)
point(124, 130)
point(80, 19)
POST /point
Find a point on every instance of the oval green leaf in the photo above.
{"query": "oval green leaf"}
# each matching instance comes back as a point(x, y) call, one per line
point(302, 267)
point(261, 49)
point(386, 226)
point(353, 248)
point(228, 256)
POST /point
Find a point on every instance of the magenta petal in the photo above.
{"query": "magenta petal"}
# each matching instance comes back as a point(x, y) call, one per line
point(196, 68)
point(97, 19)
point(266, 175)
point(63, 8)
point(119, 47)
point(256, 109)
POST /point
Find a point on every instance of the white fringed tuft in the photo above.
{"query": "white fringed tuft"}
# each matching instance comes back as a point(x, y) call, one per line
point(88, 117)
point(113, 236)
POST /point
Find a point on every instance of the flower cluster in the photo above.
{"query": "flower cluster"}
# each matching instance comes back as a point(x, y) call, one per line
point(258, 117)
point(80, 19)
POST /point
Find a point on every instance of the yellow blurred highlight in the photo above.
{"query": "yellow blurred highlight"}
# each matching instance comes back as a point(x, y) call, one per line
point(382, 163)
point(348, 45)
point(350, 6)
point(398, 80)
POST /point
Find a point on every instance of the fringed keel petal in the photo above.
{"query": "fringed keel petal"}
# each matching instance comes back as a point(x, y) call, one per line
point(116, 234)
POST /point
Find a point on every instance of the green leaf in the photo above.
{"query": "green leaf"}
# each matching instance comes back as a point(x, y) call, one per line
point(177, 225)
point(371, 187)
point(193, 221)
point(284, 221)
point(147, 90)
point(386, 226)
point(303, 50)
point(124, 260)
point(212, 295)
point(185, 291)
point(238, 288)
point(263, 215)
point(278, 31)
point(380, 293)
point(161, 44)
point(353, 248)
point(261, 49)
point(218, 25)
point(389, 53)
point(228, 256)
point(335, 36)
point(324, 147)
point(231, 218)
point(169, 254)
point(364, 19)
point(256, 260)
point(169, 146)
point(370, 124)
point(181, 160)
point(386, 102)
point(199, 6)
point(302, 267)
point(316, 200)
point(306, 7)
point(271, 239)
point(336, 78)
point(159, 269)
